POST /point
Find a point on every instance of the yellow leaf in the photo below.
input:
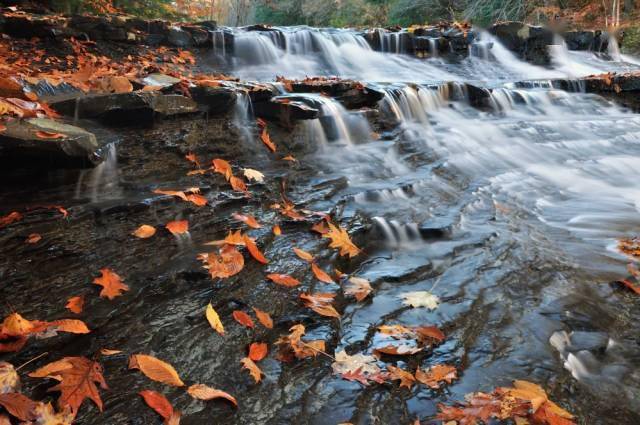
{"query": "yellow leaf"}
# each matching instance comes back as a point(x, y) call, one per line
point(214, 319)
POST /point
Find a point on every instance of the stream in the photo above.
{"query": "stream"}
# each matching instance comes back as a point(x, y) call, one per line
point(510, 215)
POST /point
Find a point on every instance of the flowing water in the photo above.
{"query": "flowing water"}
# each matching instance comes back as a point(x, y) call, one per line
point(509, 214)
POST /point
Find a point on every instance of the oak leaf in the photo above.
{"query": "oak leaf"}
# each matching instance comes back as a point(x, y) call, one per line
point(214, 319)
point(204, 392)
point(406, 378)
point(111, 283)
point(155, 369)
point(340, 239)
point(75, 304)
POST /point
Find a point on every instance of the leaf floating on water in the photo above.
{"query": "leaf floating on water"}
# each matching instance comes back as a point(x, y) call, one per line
point(248, 219)
point(253, 369)
point(320, 303)
point(9, 379)
point(320, 274)
point(75, 304)
point(358, 287)
point(33, 238)
point(203, 392)
point(258, 351)
point(243, 318)
point(264, 318)
point(111, 283)
point(436, 374)
point(145, 231)
point(406, 378)
point(49, 135)
point(178, 227)
point(340, 239)
point(254, 175)
point(359, 367)
point(292, 345)
point(304, 255)
point(155, 369)
point(157, 402)
point(321, 227)
point(630, 247)
point(283, 279)
point(214, 319)
point(420, 299)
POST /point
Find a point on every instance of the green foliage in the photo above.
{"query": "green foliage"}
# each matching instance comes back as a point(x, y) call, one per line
point(631, 42)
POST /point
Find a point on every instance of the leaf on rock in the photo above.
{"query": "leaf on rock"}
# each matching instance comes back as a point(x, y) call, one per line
point(254, 175)
point(33, 238)
point(111, 283)
point(214, 319)
point(226, 263)
point(277, 230)
point(264, 318)
point(253, 369)
point(18, 405)
point(221, 166)
point(44, 414)
point(436, 374)
point(177, 227)
point(303, 255)
point(266, 139)
point(320, 303)
point(248, 219)
point(254, 251)
point(9, 379)
point(243, 318)
point(258, 351)
point(358, 287)
point(232, 238)
point(157, 402)
point(75, 304)
point(155, 369)
point(320, 274)
point(238, 184)
point(49, 135)
point(340, 239)
point(420, 299)
point(144, 231)
point(292, 345)
point(203, 392)
point(283, 279)
point(10, 218)
point(108, 352)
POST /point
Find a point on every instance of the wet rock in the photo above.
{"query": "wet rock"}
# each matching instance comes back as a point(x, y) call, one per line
point(209, 25)
point(590, 341)
point(526, 41)
point(352, 94)
point(478, 97)
point(135, 108)
point(285, 110)
point(200, 37)
point(20, 145)
point(579, 40)
point(214, 100)
point(160, 80)
point(177, 37)
point(29, 26)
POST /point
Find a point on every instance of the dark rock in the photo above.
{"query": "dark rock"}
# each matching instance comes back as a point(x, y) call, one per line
point(590, 341)
point(21, 147)
point(526, 41)
point(215, 100)
point(209, 25)
point(29, 26)
point(285, 110)
point(135, 108)
point(478, 97)
point(154, 39)
point(352, 94)
point(579, 40)
point(259, 27)
point(201, 37)
point(177, 37)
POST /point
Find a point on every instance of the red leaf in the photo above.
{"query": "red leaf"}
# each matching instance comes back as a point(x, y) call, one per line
point(243, 318)
point(157, 402)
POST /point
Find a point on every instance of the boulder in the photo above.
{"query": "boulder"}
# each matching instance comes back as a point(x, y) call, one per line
point(214, 100)
point(285, 110)
point(352, 94)
point(177, 37)
point(579, 40)
point(64, 145)
point(135, 108)
point(528, 42)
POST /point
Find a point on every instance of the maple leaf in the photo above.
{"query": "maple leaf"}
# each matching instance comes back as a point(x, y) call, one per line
point(155, 369)
point(78, 377)
point(243, 318)
point(433, 376)
point(340, 239)
point(320, 274)
point(144, 231)
point(258, 351)
point(283, 279)
point(420, 299)
point(226, 263)
point(111, 283)
point(9, 379)
point(75, 304)
point(264, 318)
point(203, 392)
point(253, 369)
point(358, 287)
point(157, 402)
point(248, 219)
point(214, 319)
point(320, 303)
point(406, 378)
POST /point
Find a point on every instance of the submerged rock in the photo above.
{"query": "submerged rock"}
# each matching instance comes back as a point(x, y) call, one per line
point(39, 141)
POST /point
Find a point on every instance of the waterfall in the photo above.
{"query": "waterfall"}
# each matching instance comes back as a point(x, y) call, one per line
point(101, 182)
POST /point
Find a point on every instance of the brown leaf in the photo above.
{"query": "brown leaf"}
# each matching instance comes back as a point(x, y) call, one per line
point(320, 303)
point(178, 227)
point(248, 219)
point(108, 352)
point(320, 227)
point(238, 184)
point(75, 304)
point(258, 351)
point(10, 219)
point(266, 139)
point(283, 279)
point(157, 402)
point(304, 255)
point(358, 287)
point(214, 319)
point(433, 376)
point(221, 166)
point(44, 414)
point(203, 392)
point(18, 405)
point(243, 318)
point(264, 318)
point(145, 231)
point(406, 378)
point(277, 230)
point(254, 251)
point(120, 85)
point(232, 238)
point(155, 369)
point(111, 283)
point(33, 238)
point(292, 345)
point(228, 262)
point(49, 135)
point(321, 274)
point(340, 239)
point(253, 369)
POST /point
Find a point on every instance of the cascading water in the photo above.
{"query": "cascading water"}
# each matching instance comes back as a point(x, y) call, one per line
point(101, 182)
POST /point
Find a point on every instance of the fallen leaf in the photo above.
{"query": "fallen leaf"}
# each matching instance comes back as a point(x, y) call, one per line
point(289, 158)
point(226, 263)
point(238, 185)
point(178, 227)
point(155, 369)
point(320, 274)
point(221, 166)
point(283, 279)
point(111, 283)
point(266, 139)
point(436, 374)
point(249, 220)
point(292, 345)
point(18, 405)
point(49, 135)
point(108, 352)
point(157, 402)
point(253, 369)
point(44, 414)
point(406, 378)
point(232, 238)
point(420, 299)
point(9, 379)
point(358, 362)
point(120, 85)
point(258, 351)
point(264, 318)
point(358, 287)
point(145, 231)
point(33, 238)
point(304, 255)
point(340, 239)
point(75, 304)
point(254, 175)
point(276, 230)
point(320, 303)
point(10, 219)
point(320, 227)
point(203, 392)
point(214, 319)
point(243, 318)
point(254, 251)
